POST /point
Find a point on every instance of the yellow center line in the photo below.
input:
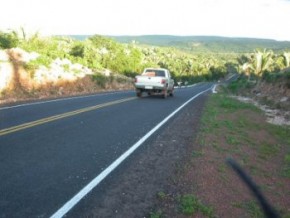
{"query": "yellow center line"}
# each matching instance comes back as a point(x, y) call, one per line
point(60, 116)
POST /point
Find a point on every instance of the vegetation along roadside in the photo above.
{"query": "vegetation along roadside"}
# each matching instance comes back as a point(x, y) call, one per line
point(36, 67)
point(208, 187)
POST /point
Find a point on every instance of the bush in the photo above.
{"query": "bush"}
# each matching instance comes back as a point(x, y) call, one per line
point(8, 40)
point(78, 50)
point(242, 83)
point(101, 80)
point(272, 77)
point(40, 61)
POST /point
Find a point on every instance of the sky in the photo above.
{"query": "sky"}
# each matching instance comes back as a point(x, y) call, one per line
point(268, 19)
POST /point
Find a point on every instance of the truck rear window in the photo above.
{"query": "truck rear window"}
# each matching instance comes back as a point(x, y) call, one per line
point(154, 73)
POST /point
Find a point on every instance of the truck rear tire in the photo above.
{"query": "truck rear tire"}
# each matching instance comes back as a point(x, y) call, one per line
point(165, 94)
point(138, 93)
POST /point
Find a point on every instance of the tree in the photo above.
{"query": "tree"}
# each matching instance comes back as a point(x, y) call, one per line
point(78, 50)
point(286, 56)
point(243, 59)
point(261, 62)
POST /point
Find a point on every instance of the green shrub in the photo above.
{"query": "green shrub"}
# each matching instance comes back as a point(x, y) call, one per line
point(240, 84)
point(100, 79)
point(40, 61)
point(8, 40)
point(78, 50)
point(189, 205)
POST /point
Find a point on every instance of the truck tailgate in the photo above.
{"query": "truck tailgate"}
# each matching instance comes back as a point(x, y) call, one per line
point(149, 81)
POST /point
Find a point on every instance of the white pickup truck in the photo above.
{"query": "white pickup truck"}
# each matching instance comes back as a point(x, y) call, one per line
point(154, 81)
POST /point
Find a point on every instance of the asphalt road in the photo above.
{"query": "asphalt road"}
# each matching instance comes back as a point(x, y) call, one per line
point(50, 150)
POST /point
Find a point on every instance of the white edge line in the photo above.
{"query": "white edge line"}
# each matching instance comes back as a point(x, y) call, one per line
point(214, 89)
point(72, 202)
point(59, 99)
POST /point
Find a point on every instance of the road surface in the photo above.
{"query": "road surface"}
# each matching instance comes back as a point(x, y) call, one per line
point(50, 151)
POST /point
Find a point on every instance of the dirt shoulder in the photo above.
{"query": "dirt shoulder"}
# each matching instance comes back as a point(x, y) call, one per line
point(208, 187)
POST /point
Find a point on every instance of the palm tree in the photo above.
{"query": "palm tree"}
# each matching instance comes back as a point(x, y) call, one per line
point(286, 56)
point(261, 62)
point(246, 68)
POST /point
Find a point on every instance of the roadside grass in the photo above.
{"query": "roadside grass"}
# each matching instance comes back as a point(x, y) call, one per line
point(156, 214)
point(233, 128)
point(251, 207)
point(208, 187)
point(190, 205)
point(286, 168)
point(187, 204)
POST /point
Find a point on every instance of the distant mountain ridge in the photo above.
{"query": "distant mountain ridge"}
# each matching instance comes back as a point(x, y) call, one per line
point(202, 43)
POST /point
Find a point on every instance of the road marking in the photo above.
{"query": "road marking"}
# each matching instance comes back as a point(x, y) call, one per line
point(61, 99)
point(214, 89)
point(81, 194)
point(60, 116)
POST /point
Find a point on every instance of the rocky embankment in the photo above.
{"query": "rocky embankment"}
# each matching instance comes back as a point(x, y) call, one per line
point(20, 80)
point(271, 97)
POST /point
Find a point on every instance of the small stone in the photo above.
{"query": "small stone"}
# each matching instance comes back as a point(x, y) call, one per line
point(283, 99)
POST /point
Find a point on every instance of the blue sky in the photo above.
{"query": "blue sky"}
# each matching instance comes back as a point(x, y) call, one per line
point(233, 18)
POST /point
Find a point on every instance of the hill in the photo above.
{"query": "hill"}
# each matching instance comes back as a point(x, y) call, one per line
point(201, 44)
point(207, 43)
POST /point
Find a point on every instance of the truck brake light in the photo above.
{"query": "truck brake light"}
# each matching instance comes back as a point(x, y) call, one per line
point(136, 80)
point(163, 81)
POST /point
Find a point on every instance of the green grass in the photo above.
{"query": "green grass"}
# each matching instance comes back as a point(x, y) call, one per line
point(218, 148)
point(231, 104)
point(287, 158)
point(286, 168)
point(190, 205)
point(267, 150)
point(281, 132)
point(222, 168)
point(197, 154)
point(283, 136)
point(161, 195)
point(232, 140)
point(239, 85)
point(156, 214)
point(252, 209)
point(228, 124)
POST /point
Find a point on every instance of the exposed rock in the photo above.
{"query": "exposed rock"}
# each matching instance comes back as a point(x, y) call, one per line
point(274, 116)
point(60, 78)
point(6, 70)
point(4, 57)
point(21, 55)
point(60, 70)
